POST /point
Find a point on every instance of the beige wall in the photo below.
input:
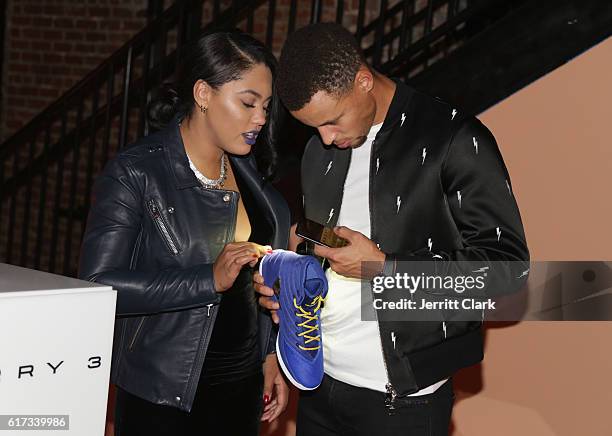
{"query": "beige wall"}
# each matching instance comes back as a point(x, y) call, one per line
point(552, 378)
point(555, 136)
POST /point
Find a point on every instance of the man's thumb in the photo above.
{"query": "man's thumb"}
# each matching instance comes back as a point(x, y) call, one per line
point(344, 232)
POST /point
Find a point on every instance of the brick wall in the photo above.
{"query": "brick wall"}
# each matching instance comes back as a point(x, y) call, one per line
point(51, 45)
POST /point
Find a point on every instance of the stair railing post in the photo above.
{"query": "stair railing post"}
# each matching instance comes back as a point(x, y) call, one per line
point(339, 11)
point(42, 200)
point(380, 32)
point(25, 222)
point(270, 24)
point(315, 11)
point(127, 77)
point(59, 182)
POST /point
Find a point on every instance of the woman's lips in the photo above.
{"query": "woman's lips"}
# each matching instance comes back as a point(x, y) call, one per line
point(250, 138)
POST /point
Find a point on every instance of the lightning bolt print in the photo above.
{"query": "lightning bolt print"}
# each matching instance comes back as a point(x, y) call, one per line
point(403, 119)
point(453, 114)
point(475, 144)
point(393, 338)
point(424, 153)
point(508, 186)
point(329, 165)
point(398, 202)
point(331, 214)
point(497, 229)
point(429, 243)
point(377, 164)
point(459, 198)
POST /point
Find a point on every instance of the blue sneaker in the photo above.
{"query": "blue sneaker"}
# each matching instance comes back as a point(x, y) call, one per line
point(301, 289)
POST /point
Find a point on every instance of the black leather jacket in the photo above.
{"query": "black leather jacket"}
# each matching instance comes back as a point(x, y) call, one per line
point(153, 234)
point(426, 153)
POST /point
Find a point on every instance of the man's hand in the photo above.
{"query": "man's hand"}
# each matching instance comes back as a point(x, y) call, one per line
point(347, 261)
point(276, 391)
point(294, 239)
point(266, 294)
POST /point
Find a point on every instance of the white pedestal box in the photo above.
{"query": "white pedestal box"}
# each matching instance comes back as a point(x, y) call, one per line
point(56, 338)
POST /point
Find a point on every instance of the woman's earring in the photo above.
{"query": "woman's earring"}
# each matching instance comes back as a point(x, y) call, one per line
point(203, 109)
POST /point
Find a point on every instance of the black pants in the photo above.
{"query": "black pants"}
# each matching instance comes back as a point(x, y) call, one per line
point(227, 409)
point(339, 409)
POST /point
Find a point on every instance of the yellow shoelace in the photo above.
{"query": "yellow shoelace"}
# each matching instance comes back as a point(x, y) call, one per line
point(309, 316)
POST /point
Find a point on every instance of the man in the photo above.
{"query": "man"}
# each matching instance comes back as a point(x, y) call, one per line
point(403, 177)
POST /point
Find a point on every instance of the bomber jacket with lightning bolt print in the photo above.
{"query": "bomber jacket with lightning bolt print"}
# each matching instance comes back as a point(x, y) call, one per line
point(439, 192)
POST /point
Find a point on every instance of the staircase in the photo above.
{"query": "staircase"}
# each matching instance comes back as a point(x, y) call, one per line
point(47, 169)
point(529, 40)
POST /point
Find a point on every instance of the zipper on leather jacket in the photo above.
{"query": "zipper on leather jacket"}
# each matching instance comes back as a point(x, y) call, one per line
point(207, 326)
point(391, 393)
point(161, 225)
point(142, 320)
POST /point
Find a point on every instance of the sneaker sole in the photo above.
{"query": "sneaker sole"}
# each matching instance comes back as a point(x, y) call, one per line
point(286, 371)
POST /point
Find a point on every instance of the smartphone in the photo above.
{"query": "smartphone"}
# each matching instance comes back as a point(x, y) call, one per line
point(319, 234)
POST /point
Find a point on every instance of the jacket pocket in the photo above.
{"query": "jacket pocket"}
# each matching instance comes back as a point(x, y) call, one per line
point(162, 226)
point(136, 332)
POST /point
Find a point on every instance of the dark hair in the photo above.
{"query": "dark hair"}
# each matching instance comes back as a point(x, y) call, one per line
point(219, 58)
point(318, 57)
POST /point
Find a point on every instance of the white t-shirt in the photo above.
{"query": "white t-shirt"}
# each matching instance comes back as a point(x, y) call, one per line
point(352, 348)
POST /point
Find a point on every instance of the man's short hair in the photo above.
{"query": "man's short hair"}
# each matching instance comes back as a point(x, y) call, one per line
point(318, 57)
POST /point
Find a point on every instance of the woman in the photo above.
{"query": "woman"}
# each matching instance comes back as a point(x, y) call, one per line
point(178, 221)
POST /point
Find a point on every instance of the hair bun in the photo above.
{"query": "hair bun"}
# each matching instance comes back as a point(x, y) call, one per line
point(163, 106)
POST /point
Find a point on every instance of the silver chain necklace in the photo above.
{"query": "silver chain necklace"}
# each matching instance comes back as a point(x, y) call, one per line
point(211, 183)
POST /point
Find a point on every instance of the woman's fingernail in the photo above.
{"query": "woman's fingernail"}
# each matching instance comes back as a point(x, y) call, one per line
point(266, 399)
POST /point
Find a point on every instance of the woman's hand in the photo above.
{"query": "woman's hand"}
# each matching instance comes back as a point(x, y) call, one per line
point(232, 258)
point(266, 293)
point(276, 391)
